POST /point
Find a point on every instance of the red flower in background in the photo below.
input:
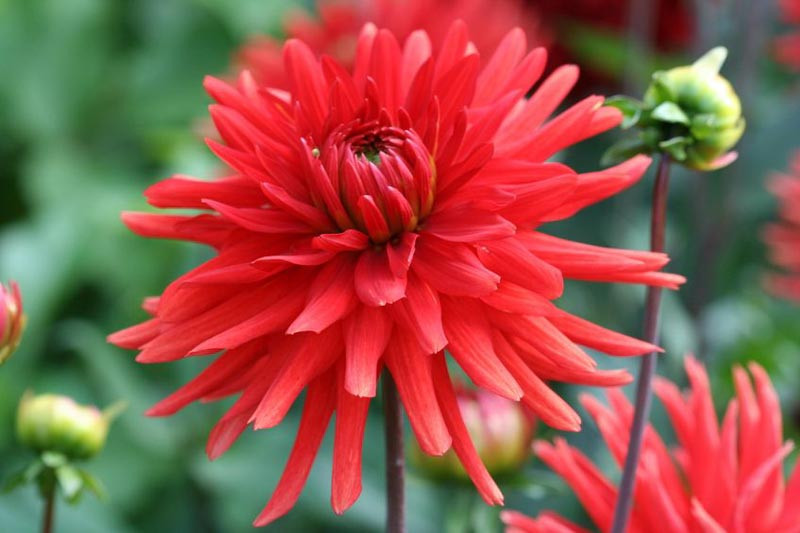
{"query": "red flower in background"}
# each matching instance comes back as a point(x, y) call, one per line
point(787, 47)
point(718, 478)
point(335, 28)
point(783, 238)
point(376, 218)
point(12, 320)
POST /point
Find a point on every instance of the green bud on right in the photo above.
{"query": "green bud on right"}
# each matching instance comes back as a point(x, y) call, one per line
point(690, 112)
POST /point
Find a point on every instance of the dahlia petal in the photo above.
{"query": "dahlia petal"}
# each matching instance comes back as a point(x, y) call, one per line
point(375, 282)
point(512, 298)
point(537, 200)
point(350, 240)
point(510, 259)
point(401, 253)
point(705, 521)
point(217, 374)
point(498, 69)
point(456, 87)
point(182, 191)
point(468, 225)
point(351, 419)
point(260, 220)
point(317, 411)
point(593, 187)
point(411, 370)
point(204, 229)
point(307, 82)
point(276, 315)
point(537, 396)
point(539, 106)
point(420, 315)
point(588, 334)
point(754, 483)
point(373, 219)
point(462, 442)
point(383, 68)
point(311, 355)
point(416, 51)
point(308, 214)
point(366, 333)
point(469, 335)
point(133, 337)
point(452, 268)
point(330, 298)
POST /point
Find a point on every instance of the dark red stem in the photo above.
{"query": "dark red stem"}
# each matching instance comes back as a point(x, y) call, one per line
point(395, 458)
point(49, 508)
point(647, 369)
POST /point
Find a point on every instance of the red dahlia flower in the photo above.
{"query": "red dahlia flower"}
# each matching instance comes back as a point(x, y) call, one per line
point(335, 31)
point(718, 478)
point(376, 218)
point(12, 320)
point(783, 238)
point(787, 47)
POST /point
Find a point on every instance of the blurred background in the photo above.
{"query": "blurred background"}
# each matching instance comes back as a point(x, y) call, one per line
point(101, 98)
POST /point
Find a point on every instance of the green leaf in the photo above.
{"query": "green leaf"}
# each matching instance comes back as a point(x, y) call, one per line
point(23, 477)
point(676, 147)
point(71, 482)
point(670, 112)
point(631, 109)
point(94, 485)
point(623, 150)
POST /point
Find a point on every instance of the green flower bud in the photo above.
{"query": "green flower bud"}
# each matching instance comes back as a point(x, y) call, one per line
point(12, 320)
point(500, 429)
point(53, 423)
point(690, 112)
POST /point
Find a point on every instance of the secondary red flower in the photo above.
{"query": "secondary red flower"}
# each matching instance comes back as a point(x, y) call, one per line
point(376, 218)
point(787, 47)
point(500, 429)
point(726, 477)
point(12, 320)
point(783, 238)
point(335, 30)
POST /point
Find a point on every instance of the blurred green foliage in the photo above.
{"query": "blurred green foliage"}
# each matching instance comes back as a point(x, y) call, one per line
point(101, 98)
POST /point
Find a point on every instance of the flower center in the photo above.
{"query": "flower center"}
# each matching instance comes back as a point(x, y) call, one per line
point(384, 175)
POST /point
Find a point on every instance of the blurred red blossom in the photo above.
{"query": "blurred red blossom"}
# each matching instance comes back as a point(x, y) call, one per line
point(334, 29)
point(787, 47)
point(377, 217)
point(500, 429)
point(718, 478)
point(12, 320)
point(783, 238)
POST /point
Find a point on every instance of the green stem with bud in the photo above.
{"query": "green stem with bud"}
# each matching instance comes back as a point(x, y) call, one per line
point(647, 369)
point(395, 457)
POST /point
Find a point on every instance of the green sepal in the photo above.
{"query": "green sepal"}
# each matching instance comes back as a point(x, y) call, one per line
point(631, 109)
point(711, 62)
point(704, 126)
point(661, 88)
point(624, 150)
point(70, 482)
point(671, 113)
point(24, 476)
point(676, 147)
point(94, 485)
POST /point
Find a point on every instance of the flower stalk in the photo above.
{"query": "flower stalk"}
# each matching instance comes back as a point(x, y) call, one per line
point(395, 458)
point(48, 491)
point(647, 369)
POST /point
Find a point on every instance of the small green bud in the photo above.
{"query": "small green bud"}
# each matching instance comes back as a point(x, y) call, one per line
point(12, 320)
point(56, 424)
point(690, 112)
point(500, 429)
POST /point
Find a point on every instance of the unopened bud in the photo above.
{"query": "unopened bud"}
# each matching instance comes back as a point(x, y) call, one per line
point(53, 423)
point(500, 429)
point(12, 320)
point(690, 112)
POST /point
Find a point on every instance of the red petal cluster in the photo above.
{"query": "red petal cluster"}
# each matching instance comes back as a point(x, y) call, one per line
point(334, 30)
point(377, 217)
point(787, 47)
point(719, 478)
point(783, 238)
